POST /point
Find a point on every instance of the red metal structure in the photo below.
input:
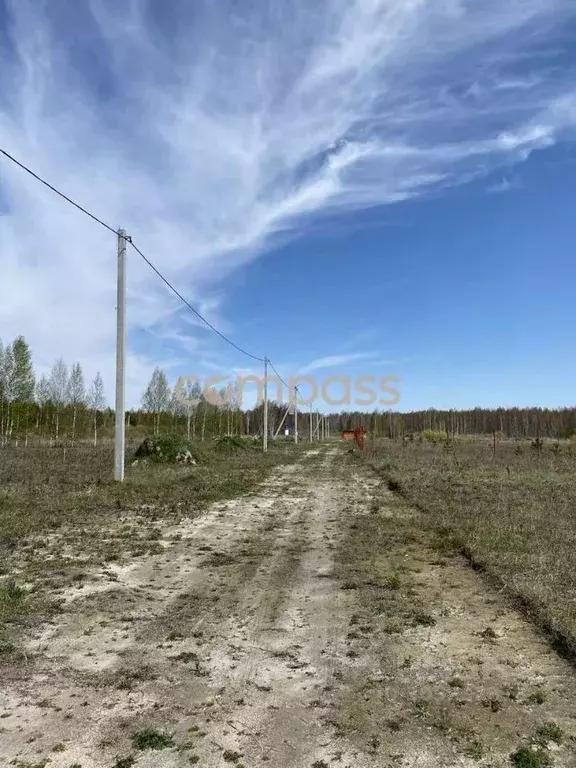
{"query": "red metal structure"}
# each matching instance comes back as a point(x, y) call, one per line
point(358, 435)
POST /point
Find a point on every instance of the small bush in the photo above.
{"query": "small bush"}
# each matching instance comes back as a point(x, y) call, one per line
point(475, 750)
point(526, 757)
point(538, 697)
point(12, 600)
point(424, 620)
point(170, 449)
point(433, 436)
point(549, 732)
point(124, 762)
point(233, 444)
point(149, 738)
point(393, 581)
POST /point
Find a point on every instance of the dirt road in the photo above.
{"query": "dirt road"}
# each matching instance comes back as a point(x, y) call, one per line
point(312, 623)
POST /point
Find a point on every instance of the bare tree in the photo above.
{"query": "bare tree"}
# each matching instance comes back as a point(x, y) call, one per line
point(96, 401)
point(156, 398)
point(7, 389)
point(42, 397)
point(76, 393)
point(58, 384)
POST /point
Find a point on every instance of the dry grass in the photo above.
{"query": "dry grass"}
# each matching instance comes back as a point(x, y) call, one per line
point(62, 515)
point(512, 515)
point(43, 488)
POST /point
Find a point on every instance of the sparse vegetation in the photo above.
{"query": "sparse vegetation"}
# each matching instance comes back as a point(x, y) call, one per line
point(527, 757)
point(150, 738)
point(547, 733)
point(496, 509)
point(125, 762)
point(475, 750)
point(424, 620)
point(394, 581)
point(421, 653)
point(538, 697)
point(50, 489)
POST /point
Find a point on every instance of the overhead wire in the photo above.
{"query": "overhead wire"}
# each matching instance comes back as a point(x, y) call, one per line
point(159, 274)
point(145, 258)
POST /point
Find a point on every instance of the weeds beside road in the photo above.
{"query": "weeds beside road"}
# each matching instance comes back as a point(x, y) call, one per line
point(310, 623)
point(513, 514)
point(61, 513)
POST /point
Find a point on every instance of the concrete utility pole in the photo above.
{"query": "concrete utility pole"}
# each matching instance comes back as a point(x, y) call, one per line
point(311, 435)
point(295, 414)
point(265, 441)
point(119, 426)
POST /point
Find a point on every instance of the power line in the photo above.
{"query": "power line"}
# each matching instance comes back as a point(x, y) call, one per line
point(57, 191)
point(190, 307)
point(129, 239)
point(278, 375)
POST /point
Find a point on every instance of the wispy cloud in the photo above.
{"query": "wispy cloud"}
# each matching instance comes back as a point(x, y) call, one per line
point(506, 184)
point(208, 130)
point(336, 361)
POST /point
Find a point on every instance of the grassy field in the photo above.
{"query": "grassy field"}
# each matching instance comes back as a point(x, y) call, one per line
point(61, 513)
point(512, 514)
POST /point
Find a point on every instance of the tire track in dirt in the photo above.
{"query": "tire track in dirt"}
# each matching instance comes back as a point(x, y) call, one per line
point(289, 645)
point(313, 623)
point(213, 636)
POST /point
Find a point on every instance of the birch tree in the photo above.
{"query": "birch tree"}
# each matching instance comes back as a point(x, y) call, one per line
point(43, 390)
point(7, 388)
point(58, 386)
point(96, 402)
point(156, 398)
point(76, 393)
point(42, 397)
point(187, 396)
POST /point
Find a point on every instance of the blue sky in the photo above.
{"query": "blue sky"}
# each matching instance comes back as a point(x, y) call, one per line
point(351, 187)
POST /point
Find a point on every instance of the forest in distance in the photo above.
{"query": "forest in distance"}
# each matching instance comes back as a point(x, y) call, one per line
point(62, 406)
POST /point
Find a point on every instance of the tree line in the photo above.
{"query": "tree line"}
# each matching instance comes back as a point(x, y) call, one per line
point(43, 406)
point(60, 405)
point(516, 423)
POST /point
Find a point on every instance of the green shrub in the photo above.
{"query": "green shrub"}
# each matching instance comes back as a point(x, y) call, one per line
point(150, 738)
point(433, 436)
point(233, 444)
point(170, 449)
point(526, 757)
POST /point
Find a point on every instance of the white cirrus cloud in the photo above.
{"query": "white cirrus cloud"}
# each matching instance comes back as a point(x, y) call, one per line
point(212, 130)
point(337, 361)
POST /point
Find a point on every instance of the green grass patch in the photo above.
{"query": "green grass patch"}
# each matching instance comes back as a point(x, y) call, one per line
point(150, 738)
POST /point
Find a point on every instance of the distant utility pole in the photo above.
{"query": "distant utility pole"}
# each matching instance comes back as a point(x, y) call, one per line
point(119, 426)
point(265, 442)
point(295, 414)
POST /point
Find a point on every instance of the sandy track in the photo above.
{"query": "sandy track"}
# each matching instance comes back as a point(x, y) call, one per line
point(232, 633)
point(236, 640)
